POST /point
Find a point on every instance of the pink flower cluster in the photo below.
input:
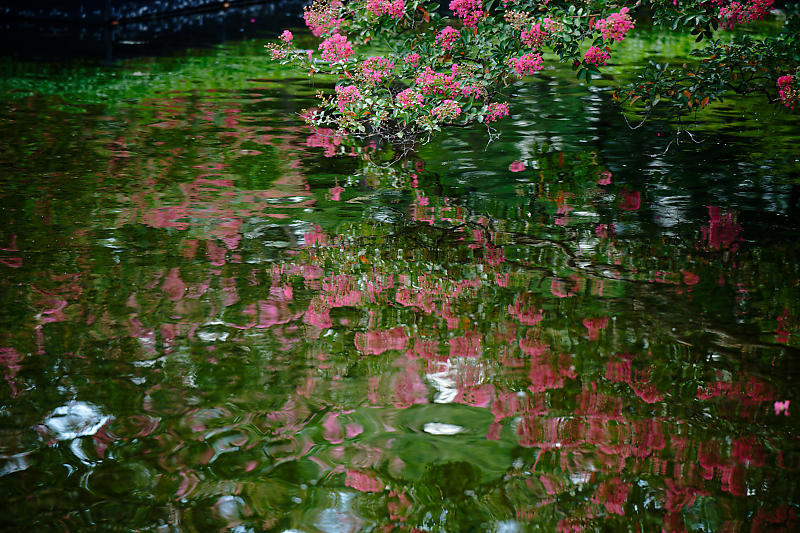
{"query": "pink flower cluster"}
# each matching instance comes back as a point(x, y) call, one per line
point(449, 110)
point(535, 35)
point(286, 36)
point(377, 68)
point(412, 59)
point(596, 56)
point(527, 64)
point(744, 12)
point(472, 90)
point(447, 37)
point(323, 18)
point(335, 48)
point(438, 82)
point(394, 9)
point(346, 96)
point(496, 111)
point(469, 10)
point(788, 95)
point(615, 26)
point(409, 98)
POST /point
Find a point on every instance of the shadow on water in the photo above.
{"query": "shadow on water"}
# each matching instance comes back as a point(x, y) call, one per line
point(108, 30)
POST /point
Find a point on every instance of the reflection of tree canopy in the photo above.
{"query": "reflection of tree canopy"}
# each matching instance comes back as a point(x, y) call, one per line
point(490, 357)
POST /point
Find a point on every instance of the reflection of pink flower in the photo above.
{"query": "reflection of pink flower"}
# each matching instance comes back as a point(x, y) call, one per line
point(525, 309)
point(336, 193)
point(782, 407)
point(604, 231)
point(363, 482)
point(467, 346)
point(690, 278)
point(612, 494)
point(594, 325)
point(332, 429)
point(631, 200)
point(173, 285)
point(722, 231)
point(408, 389)
point(318, 315)
point(517, 166)
point(378, 341)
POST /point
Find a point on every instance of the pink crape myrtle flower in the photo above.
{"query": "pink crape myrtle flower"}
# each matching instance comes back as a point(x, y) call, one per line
point(286, 37)
point(377, 68)
point(596, 56)
point(615, 26)
point(496, 111)
point(346, 96)
point(412, 59)
point(469, 10)
point(446, 37)
point(527, 64)
point(788, 95)
point(534, 36)
point(335, 48)
point(743, 12)
point(449, 110)
point(324, 20)
point(394, 9)
point(439, 83)
point(472, 90)
point(408, 98)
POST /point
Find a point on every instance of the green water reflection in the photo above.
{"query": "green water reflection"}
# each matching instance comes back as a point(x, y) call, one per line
point(215, 318)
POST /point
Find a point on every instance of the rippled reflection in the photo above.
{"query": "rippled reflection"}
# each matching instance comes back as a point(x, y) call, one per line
point(216, 318)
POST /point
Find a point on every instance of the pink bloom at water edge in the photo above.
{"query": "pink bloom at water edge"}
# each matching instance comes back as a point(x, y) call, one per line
point(376, 68)
point(412, 59)
point(615, 26)
point(527, 64)
point(447, 37)
point(743, 12)
point(535, 35)
point(335, 48)
point(596, 56)
point(408, 98)
point(449, 110)
point(346, 96)
point(393, 8)
point(440, 83)
point(286, 36)
point(788, 95)
point(496, 111)
point(469, 10)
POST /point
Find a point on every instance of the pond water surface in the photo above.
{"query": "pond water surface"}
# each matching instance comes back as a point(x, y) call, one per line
point(217, 319)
